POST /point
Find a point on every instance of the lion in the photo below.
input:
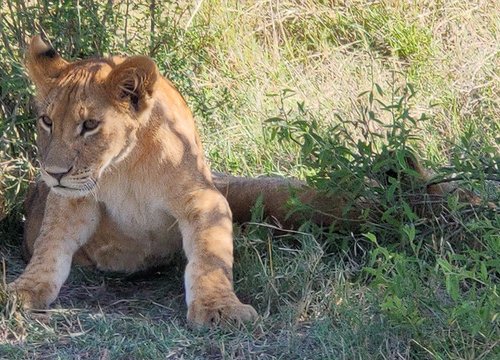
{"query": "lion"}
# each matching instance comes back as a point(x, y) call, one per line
point(124, 185)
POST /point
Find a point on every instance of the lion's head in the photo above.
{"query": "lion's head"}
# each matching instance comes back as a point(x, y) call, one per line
point(89, 113)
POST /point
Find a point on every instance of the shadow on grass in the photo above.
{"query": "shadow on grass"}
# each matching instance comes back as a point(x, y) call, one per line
point(103, 315)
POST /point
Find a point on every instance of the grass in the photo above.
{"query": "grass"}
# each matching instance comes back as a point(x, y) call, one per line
point(275, 87)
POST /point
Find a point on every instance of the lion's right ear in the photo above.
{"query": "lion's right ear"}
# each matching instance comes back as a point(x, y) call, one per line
point(132, 82)
point(44, 65)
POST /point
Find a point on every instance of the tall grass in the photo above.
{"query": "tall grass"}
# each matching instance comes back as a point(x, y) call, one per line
point(331, 92)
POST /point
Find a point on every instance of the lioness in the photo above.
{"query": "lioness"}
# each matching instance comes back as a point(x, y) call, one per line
point(124, 185)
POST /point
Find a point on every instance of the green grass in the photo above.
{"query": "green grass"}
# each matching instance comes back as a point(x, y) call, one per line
point(275, 87)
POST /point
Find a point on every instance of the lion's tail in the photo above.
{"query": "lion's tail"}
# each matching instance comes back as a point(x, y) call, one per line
point(242, 193)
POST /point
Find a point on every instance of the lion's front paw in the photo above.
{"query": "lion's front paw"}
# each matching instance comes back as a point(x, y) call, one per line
point(33, 295)
point(211, 311)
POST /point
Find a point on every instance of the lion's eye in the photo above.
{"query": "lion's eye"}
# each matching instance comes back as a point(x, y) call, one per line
point(46, 122)
point(89, 125)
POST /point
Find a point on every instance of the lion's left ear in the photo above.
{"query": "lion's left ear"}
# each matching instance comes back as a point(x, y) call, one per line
point(133, 82)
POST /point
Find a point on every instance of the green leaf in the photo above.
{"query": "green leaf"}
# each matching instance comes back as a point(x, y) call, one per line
point(372, 237)
point(410, 232)
point(452, 287)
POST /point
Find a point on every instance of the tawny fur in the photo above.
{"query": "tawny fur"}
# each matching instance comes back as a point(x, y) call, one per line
point(127, 195)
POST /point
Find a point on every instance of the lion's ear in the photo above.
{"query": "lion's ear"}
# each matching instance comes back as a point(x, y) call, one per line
point(133, 81)
point(44, 64)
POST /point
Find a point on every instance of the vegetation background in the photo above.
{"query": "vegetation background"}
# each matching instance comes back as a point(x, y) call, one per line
point(316, 89)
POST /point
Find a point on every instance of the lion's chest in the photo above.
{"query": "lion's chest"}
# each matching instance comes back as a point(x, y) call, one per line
point(135, 230)
point(132, 213)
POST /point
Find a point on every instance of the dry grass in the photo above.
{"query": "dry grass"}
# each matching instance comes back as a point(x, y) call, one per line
point(329, 54)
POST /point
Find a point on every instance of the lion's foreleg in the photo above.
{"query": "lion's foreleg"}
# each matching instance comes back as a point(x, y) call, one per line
point(66, 226)
point(206, 227)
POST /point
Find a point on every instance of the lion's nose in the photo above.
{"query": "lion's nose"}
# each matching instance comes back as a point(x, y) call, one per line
point(57, 173)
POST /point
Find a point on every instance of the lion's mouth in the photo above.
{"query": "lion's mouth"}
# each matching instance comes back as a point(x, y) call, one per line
point(69, 191)
point(63, 187)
